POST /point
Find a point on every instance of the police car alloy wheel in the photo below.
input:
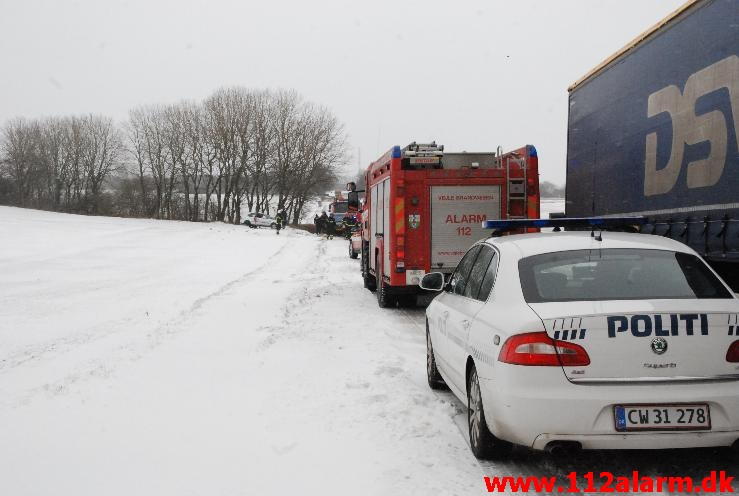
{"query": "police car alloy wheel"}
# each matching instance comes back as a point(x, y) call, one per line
point(483, 443)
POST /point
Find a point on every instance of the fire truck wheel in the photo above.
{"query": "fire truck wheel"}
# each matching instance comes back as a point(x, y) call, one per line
point(384, 300)
point(432, 373)
point(369, 282)
point(407, 301)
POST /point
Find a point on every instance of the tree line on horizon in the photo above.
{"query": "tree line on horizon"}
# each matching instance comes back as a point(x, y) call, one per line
point(196, 161)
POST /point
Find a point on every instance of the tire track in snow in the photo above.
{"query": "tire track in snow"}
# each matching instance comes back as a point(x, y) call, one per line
point(61, 345)
point(136, 348)
point(299, 297)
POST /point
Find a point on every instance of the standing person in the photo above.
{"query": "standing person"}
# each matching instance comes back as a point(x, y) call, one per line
point(330, 227)
point(280, 220)
point(350, 223)
point(317, 224)
point(323, 222)
point(352, 197)
point(284, 218)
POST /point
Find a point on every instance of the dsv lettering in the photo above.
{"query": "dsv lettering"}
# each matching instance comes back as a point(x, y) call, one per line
point(690, 129)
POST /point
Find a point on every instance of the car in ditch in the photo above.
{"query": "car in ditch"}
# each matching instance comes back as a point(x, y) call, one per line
point(259, 219)
point(586, 339)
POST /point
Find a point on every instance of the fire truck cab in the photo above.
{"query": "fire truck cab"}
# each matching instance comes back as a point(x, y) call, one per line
point(424, 208)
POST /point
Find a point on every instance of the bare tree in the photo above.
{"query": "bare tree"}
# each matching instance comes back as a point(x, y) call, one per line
point(237, 149)
point(20, 148)
point(100, 156)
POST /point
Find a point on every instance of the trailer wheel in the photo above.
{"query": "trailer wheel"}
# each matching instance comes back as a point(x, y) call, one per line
point(384, 299)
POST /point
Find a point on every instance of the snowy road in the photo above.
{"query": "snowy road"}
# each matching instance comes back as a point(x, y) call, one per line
point(169, 358)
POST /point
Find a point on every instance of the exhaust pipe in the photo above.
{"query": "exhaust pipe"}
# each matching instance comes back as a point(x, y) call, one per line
point(562, 448)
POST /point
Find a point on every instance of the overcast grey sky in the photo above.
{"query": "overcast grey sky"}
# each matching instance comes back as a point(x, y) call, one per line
point(471, 74)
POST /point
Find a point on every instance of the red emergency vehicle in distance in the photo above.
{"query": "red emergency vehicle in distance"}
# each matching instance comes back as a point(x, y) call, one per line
point(424, 208)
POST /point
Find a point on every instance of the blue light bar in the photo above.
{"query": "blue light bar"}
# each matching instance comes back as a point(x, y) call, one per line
point(564, 222)
point(396, 153)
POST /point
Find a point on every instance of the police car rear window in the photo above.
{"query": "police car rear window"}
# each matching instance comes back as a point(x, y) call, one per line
point(617, 274)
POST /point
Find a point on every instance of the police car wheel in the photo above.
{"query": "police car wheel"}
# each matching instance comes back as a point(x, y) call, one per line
point(273, 226)
point(483, 443)
point(432, 373)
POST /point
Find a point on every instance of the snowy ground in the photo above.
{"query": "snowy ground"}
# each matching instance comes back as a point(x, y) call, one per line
point(168, 358)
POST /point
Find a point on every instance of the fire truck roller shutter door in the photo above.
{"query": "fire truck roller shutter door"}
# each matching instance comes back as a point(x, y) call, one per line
point(457, 213)
point(373, 230)
point(386, 225)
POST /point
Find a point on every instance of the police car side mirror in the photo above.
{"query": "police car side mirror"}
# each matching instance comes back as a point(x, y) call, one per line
point(433, 281)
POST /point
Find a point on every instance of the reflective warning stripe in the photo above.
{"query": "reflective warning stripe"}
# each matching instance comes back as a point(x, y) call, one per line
point(399, 216)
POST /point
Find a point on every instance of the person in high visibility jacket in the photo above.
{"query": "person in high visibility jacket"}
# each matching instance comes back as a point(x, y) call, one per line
point(349, 223)
point(280, 219)
point(322, 221)
point(330, 227)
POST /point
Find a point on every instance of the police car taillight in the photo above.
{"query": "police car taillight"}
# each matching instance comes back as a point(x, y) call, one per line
point(732, 355)
point(537, 348)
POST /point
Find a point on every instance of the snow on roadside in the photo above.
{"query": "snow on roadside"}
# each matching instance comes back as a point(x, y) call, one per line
point(262, 368)
point(75, 287)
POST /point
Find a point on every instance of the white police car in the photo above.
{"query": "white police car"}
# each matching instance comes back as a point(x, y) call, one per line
point(580, 340)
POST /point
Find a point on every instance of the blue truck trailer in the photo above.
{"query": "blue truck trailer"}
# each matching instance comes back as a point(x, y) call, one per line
point(653, 131)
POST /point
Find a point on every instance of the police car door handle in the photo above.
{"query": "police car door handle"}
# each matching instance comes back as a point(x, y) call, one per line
point(466, 324)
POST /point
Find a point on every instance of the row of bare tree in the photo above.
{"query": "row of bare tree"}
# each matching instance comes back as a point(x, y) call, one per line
point(238, 148)
point(59, 163)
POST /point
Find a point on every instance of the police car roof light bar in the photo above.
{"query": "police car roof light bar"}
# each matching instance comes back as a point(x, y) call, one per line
point(573, 222)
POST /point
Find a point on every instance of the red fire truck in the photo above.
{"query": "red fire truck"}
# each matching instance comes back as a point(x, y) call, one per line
point(424, 208)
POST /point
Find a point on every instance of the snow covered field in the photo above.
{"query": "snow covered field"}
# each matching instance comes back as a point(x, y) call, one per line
point(142, 357)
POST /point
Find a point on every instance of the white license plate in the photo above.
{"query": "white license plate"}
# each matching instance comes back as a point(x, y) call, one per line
point(662, 417)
